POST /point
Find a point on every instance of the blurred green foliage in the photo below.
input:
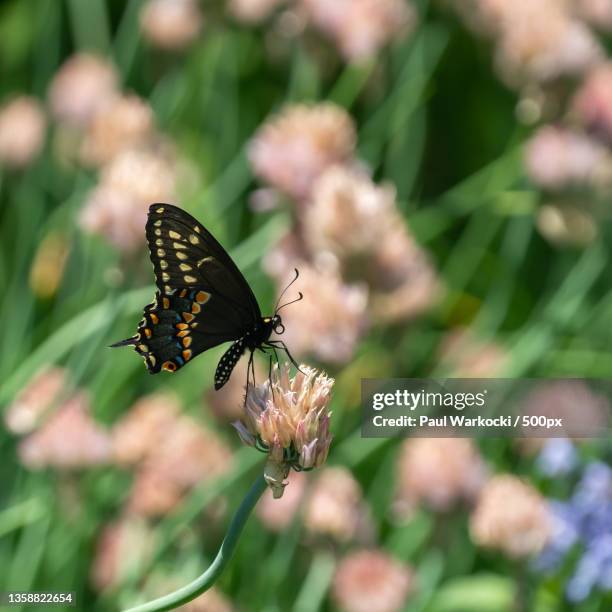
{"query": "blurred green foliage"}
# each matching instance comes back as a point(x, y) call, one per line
point(435, 122)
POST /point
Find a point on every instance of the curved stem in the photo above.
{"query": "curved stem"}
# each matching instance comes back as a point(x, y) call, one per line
point(211, 575)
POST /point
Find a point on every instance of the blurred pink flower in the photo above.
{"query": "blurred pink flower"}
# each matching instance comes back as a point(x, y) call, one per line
point(437, 472)
point(348, 215)
point(331, 318)
point(278, 514)
point(402, 280)
point(82, 86)
point(556, 157)
point(253, 11)
point(360, 28)
point(593, 101)
point(292, 148)
point(372, 581)
point(335, 507)
point(541, 42)
point(143, 428)
point(22, 131)
point(36, 399)
point(123, 547)
point(464, 355)
point(562, 398)
point(69, 438)
point(171, 24)
point(117, 207)
point(510, 516)
point(596, 12)
point(124, 122)
point(187, 455)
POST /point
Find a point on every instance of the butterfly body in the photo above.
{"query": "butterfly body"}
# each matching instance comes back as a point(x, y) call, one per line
point(202, 299)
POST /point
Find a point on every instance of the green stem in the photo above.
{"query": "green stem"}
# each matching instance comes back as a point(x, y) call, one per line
point(211, 575)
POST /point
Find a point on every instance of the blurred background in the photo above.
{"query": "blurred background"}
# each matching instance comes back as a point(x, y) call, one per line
point(440, 172)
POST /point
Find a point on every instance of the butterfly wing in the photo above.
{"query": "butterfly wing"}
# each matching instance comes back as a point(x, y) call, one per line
point(202, 300)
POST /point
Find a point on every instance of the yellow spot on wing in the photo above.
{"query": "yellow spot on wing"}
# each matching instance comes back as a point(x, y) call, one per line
point(187, 341)
point(159, 210)
point(195, 308)
point(161, 253)
point(158, 232)
point(174, 235)
point(179, 245)
point(194, 239)
point(165, 277)
point(190, 279)
point(186, 355)
point(188, 317)
point(182, 256)
point(163, 264)
point(159, 242)
point(185, 267)
point(157, 223)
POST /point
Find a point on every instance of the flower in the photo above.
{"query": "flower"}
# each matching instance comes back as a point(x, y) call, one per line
point(467, 356)
point(402, 281)
point(347, 214)
point(334, 506)
point(288, 418)
point(187, 455)
point(253, 11)
point(117, 207)
point(437, 472)
point(556, 157)
point(70, 438)
point(557, 458)
point(294, 147)
point(82, 86)
point(360, 28)
point(171, 24)
point(35, 400)
point(511, 516)
point(122, 548)
point(541, 42)
point(22, 131)
point(558, 399)
point(124, 122)
point(372, 581)
point(141, 431)
point(592, 103)
point(278, 514)
point(329, 320)
point(596, 12)
point(585, 519)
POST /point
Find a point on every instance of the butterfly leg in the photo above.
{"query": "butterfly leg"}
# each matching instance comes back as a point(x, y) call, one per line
point(280, 344)
point(250, 369)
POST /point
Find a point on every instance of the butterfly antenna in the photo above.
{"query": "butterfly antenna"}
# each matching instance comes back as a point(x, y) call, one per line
point(291, 302)
point(280, 297)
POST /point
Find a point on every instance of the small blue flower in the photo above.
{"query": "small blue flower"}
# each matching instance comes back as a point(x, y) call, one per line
point(557, 458)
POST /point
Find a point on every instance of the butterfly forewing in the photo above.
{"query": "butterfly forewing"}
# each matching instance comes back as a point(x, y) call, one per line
point(203, 299)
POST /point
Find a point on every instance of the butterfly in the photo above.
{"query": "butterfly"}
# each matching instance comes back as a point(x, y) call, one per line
point(202, 300)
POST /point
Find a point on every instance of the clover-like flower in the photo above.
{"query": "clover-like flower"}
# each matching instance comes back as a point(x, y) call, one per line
point(288, 418)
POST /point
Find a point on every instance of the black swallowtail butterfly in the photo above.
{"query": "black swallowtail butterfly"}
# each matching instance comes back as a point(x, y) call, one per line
point(203, 300)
